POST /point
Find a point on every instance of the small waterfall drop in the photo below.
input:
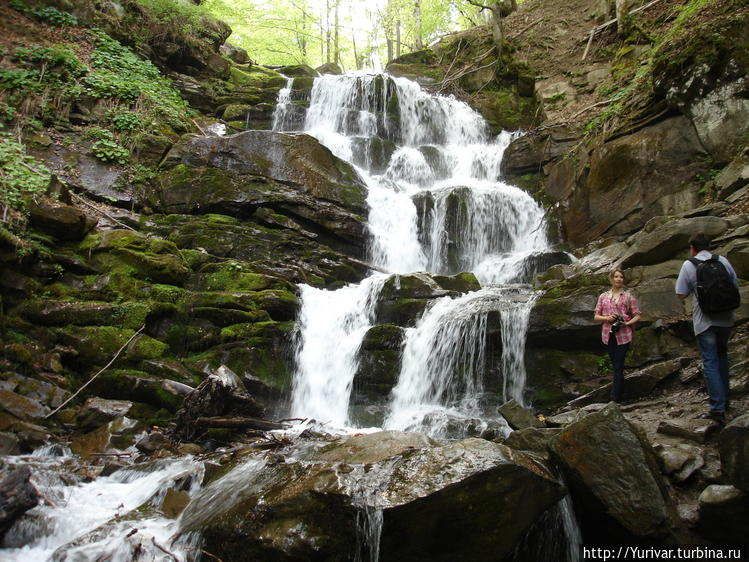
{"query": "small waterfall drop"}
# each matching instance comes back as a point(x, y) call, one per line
point(331, 326)
point(283, 114)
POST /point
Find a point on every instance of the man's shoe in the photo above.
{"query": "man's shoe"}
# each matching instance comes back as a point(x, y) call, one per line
point(719, 417)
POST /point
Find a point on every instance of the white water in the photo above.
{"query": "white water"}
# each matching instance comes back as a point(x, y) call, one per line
point(282, 115)
point(96, 520)
point(437, 204)
point(331, 326)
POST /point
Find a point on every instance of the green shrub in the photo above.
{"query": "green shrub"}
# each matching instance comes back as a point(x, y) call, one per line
point(48, 14)
point(126, 121)
point(21, 175)
point(108, 150)
point(119, 74)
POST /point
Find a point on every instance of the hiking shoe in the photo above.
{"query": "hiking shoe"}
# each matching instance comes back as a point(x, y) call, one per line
point(719, 417)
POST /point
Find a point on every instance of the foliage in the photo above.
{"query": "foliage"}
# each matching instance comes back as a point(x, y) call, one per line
point(184, 17)
point(21, 175)
point(106, 147)
point(118, 74)
point(48, 14)
point(303, 31)
point(126, 121)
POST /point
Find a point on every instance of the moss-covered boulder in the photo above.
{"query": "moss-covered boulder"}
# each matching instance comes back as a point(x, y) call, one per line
point(96, 345)
point(419, 496)
point(292, 174)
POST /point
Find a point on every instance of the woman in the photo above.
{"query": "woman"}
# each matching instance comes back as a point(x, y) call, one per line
point(618, 311)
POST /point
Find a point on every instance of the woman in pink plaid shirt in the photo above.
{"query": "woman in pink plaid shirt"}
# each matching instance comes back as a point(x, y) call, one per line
point(618, 311)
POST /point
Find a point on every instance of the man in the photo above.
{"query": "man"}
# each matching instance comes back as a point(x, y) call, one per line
point(712, 329)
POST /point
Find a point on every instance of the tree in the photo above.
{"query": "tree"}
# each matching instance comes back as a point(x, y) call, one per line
point(498, 9)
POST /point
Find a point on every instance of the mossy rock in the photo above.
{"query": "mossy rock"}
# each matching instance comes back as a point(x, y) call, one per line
point(402, 312)
point(417, 285)
point(235, 112)
point(231, 276)
point(135, 386)
point(250, 331)
point(377, 375)
point(226, 317)
point(383, 337)
point(96, 345)
point(298, 70)
point(462, 282)
point(256, 77)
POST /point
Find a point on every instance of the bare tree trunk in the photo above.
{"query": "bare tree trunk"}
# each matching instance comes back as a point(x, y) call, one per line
point(417, 22)
point(398, 39)
point(337, 54)
point(327, 31)
point(390, 49)
point(622, 17)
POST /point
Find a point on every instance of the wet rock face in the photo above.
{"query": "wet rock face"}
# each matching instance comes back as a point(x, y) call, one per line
point(476, 489)
point(734, 452)
point(612, 472)
point(64, 222)
point(289, 174)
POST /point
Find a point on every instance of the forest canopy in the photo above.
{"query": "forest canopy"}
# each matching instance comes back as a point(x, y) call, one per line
point(355, 34)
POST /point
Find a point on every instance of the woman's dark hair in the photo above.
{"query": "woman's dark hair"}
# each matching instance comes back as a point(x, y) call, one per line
point(700, 242)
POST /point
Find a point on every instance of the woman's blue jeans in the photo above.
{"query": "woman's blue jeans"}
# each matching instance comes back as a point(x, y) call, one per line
point(713, 345)
point(617, 354)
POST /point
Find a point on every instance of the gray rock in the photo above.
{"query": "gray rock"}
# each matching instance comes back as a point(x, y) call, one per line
point(669, 239)
point(680, 461)
point(21, 406)
point(694, 430)
point(636, 385)
point(64, 222)
point(237, 54)
point(152, 442)
point(531, 439)
point(723, 514)
point(734, 452)
point(476, 488)
point(613, 477)
point(99, 411)
point(518, 417)
point(9, 444)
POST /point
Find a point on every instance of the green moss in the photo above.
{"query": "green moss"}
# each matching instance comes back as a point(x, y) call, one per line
point(230, 276)
point(256, 77)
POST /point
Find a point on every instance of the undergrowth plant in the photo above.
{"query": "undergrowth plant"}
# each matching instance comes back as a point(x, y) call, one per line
point(21, 176)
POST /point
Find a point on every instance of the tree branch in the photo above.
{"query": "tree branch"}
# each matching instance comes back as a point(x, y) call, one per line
point(116, 355)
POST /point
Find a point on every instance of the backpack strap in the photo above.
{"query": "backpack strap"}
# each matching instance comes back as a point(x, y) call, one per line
point(694, 261)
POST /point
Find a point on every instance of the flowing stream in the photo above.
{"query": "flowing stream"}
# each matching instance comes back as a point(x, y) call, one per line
point(437, 204)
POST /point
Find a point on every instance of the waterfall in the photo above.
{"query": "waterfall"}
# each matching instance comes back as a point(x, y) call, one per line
point(436, 204)
point(331, 326)
point(448, 345)
point(283, 114)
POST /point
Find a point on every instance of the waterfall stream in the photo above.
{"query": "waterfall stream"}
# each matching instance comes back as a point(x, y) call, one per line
point(437, 204)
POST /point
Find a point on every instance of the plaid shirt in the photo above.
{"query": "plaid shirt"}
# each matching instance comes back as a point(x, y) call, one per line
point(626, 307)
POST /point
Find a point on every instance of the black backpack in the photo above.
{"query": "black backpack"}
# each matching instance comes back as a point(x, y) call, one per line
point(716, 291)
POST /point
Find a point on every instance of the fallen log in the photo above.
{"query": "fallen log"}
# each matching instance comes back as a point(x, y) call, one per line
point(239, 423)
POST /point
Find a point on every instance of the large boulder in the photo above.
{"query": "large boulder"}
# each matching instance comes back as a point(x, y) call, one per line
point(734, 452)
point(485, 494)
point(293, 175)
point(661, 240)
point(64, 222)
point(614, 479)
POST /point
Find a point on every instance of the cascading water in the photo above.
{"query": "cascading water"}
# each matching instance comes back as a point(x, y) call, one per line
point(97, 520)
point(331, 326)
point(436, 204)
